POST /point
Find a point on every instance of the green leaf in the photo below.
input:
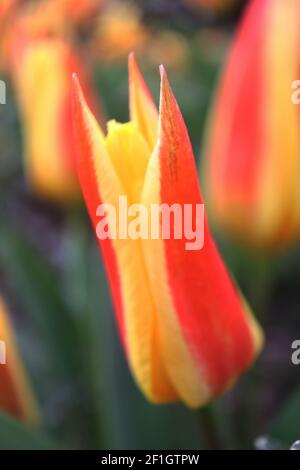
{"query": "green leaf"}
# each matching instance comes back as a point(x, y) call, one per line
point(38, 289)
point(15, 436)
point(286, 427)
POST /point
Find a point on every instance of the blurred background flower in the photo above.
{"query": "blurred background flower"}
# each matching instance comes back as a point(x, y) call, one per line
point(41, 70)
point(119, 30)
point(253, 156)
point(16, 396)
point(41, 57)
point(170, 48)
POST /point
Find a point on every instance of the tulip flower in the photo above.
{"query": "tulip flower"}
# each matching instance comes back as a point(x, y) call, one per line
point(16, 397)
point(186, 331)
point(8, 10)
point(7, 7)
point(170, 48)
point(42, 72)
point(252, 163)
point(60, 17)
point(119, 29)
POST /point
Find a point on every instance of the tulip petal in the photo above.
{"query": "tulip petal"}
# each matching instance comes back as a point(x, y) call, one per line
point(207, 335)
point(129, 153)
point(136, 314)
point(143, 111)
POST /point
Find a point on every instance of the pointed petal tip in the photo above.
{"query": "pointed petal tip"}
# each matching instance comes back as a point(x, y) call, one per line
point(164, 82)
point(77, 90)
point(78, 100)
point(75, 77)
point(142, 108)
point(75, 84)
point(131, 57)
point(163, 75)
point(165, 87)
point(162, 70)
point(133, 69)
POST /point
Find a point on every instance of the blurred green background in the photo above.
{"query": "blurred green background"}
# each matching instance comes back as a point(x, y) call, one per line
point(53, 280)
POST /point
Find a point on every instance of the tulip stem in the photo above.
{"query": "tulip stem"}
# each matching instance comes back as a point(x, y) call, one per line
point(210, 429)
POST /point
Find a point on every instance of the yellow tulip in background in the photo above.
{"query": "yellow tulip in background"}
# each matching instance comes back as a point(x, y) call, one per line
point(42, 69)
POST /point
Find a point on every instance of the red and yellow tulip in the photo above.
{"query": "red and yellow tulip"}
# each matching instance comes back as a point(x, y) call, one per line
point(16, 397)
point(119, 30)
point(51, 17)
point(42, 72)
point(253, 159)
point(186, 331)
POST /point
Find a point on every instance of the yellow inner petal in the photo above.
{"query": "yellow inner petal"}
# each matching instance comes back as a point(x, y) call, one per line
point(129, 153)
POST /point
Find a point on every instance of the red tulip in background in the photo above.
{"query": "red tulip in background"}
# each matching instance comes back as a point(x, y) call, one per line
point(253, 164)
